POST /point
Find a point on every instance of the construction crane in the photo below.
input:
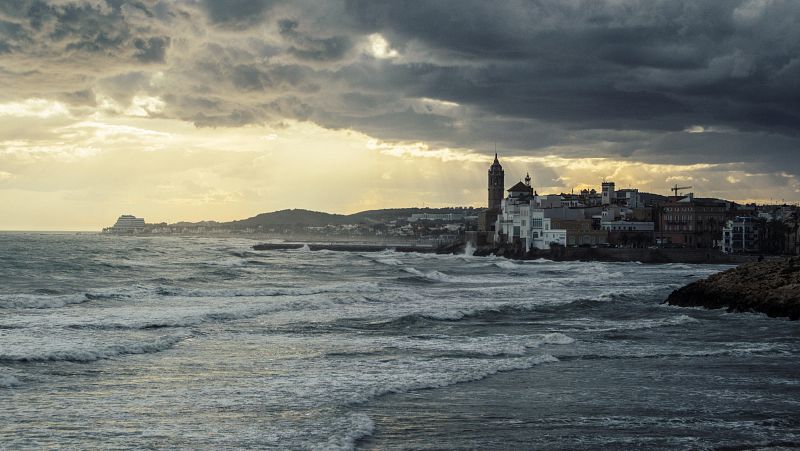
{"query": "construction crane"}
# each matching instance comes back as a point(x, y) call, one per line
point(675, 189)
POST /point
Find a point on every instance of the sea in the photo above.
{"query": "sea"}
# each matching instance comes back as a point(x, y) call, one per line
point(203, 343)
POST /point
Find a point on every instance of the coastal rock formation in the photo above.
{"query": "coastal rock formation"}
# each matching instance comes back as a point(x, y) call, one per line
point(771, 287)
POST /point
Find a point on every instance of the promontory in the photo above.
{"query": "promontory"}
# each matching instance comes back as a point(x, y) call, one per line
point(771, 287)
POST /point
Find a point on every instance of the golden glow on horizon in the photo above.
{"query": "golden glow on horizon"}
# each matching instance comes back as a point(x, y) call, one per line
point(78, 169)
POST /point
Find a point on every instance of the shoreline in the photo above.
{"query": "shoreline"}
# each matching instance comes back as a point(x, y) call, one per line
point(345, 247)
point(642, 255)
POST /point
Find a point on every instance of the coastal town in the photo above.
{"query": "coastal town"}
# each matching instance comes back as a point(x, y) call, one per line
point(520, 220)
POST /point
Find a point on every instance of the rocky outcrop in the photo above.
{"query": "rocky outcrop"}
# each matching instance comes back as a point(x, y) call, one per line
point(771, 287)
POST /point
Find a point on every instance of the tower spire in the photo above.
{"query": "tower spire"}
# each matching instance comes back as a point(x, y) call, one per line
point(496, 180)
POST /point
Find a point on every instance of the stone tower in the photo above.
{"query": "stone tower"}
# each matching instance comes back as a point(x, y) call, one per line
point(496, 187)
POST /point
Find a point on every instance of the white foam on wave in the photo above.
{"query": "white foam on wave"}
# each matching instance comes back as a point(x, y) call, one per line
point(345, 287)
point(435, 276)
point(710, 349)
point(352, 381)
point(447, 315)
point(35, 301)
point(415, 374)
point(589, 325)
point(495, 345)
point(358, 426)
point(227, 262)
point(557, 338)
point(389, 261)
point(79, 349)
point(506, 265)
point(156, 312)
point(52, 301)
point(8, 381)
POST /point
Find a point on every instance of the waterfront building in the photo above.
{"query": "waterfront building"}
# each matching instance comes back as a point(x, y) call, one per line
point(687, 221)
point(741, 234)
point(523, 224)
point(629, 233)
point(126, 224)
point(581, 232)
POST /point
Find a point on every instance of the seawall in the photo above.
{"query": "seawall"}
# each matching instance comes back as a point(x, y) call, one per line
point(345, 247)
point(644, 255)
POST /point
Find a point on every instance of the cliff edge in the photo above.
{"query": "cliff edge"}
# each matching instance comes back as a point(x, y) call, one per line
point(771, 287)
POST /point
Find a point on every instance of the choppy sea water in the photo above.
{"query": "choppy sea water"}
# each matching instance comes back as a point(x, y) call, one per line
point(186, 343)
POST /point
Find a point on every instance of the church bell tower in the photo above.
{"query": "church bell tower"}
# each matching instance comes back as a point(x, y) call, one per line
point(496, 187)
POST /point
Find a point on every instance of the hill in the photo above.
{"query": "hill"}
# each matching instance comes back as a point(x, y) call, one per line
point(317, 218)
point(291, 217)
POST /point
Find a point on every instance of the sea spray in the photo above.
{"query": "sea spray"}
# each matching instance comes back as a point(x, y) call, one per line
point(469, 249)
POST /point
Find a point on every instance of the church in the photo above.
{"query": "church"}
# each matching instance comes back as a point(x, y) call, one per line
point(518, 218)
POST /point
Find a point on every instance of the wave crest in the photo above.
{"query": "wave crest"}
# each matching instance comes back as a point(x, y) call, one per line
point(50, 351)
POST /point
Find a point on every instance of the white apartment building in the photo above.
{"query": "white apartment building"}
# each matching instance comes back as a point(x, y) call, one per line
point(521, 221)
point(741, 235)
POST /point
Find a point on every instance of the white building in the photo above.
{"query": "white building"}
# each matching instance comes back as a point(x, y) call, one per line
point(741, 235)
point(521, 221)
point(127, 224)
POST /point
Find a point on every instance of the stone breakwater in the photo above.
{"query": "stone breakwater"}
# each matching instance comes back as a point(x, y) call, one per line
point(771, 287)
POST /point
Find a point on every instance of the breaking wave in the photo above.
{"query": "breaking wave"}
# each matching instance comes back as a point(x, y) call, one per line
point(48, 301)
point(433, 276)
point(360, 287)
point(33, 301)
point(456, 371)
point(8, 381)
point(83, 352)
point(360, 426)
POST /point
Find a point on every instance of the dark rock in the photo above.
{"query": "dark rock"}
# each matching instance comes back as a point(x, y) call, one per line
point(771, 287)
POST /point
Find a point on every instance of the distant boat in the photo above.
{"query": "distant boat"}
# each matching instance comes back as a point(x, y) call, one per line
point(126, 225)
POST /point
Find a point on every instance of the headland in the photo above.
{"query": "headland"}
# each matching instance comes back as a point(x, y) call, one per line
point(770, 287)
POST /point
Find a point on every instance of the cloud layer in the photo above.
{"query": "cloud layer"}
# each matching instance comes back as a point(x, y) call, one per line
point(648, 82)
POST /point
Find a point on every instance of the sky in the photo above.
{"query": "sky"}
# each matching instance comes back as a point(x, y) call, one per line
point(220, 110)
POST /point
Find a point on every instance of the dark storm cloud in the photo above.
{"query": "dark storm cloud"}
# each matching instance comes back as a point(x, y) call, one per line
point(616, 79)
point(238, 13)
point(151, 50)
point(307, 47)
point(669, 64)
